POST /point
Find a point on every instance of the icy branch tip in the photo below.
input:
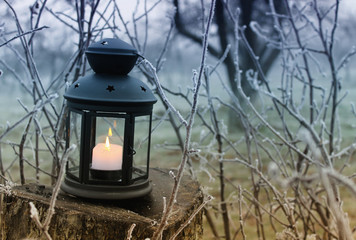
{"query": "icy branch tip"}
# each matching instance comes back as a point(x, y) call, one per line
point(33, 211)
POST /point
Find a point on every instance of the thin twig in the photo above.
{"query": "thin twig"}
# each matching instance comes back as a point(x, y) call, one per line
point(152, 70)
point(129, 233)
point(34, 212)
point(10, 128)
point(191, 217)
point(23, 34)
point(240, 214)
point(157, 235)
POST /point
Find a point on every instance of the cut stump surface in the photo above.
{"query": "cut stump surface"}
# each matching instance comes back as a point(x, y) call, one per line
point(77, 218)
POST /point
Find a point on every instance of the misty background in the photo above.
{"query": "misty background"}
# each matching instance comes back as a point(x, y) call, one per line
point(287, 132)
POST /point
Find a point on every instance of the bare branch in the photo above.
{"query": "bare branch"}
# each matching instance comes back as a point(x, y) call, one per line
point(185, 156)
point(129, 233)
point(191, 217)
point(34, 212)
point(23, 34)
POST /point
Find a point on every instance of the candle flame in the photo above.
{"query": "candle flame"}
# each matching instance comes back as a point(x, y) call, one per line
point(114, 123)
point(107, 143)
point(110, 132)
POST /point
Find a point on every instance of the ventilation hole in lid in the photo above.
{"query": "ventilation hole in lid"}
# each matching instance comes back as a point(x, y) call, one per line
point(110, 88)
point(143, 89)
point(104, 43)
point(76, 85)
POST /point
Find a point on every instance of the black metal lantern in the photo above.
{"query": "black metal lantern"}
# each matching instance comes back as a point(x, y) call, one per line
point(109, 119)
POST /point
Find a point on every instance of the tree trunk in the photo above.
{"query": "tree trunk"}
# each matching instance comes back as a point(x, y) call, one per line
point(77, 218)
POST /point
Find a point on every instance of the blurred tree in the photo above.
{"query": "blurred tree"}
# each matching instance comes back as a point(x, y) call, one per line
point(250, 11)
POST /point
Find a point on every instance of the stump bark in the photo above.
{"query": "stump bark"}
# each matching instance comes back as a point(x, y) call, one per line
point(77, 218)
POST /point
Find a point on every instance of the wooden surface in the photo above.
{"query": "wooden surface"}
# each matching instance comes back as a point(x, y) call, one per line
point(77, 218)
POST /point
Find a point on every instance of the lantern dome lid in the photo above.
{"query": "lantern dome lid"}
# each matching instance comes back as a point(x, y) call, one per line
point(111, 55)
point(108, 92)
point(112, 46)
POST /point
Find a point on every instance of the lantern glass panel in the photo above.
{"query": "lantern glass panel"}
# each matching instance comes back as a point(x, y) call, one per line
point(107, 153)
point(75, 125)
point(141, 146)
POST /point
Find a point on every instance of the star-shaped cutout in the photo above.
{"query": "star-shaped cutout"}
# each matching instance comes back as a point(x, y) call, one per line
point(110, 88)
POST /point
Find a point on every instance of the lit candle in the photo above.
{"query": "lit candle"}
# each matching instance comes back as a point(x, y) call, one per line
point(107, 156)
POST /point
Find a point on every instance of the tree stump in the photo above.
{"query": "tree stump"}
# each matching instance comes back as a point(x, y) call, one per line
point(77, 218)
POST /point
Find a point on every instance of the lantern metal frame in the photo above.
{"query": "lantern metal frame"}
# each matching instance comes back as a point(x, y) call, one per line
point(114, 96)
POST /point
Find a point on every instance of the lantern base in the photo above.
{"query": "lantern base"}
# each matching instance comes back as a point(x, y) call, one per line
point(105, 174)
point(138, 189)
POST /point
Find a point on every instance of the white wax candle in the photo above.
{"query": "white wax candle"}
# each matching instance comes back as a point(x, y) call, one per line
point(107, 156)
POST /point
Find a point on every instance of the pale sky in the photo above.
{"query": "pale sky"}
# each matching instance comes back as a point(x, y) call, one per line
point(350, 6)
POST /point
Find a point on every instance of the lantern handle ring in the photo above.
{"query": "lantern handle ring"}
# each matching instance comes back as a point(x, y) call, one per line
point(132, 152)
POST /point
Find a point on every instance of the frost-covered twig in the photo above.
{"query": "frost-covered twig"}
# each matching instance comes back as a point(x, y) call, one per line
point(353, 109)
point(23, 34)
point(240, 214)
point(152, 70)
point(275, 132)
point(56, 188)
point(17, 76)
point(37, 108)
point(191, 217)
point(57, 16)
point(185, 157)
point(218, 136)
point(160, 60)
point(148, 10)
point(36, 218)
point(34, 212)
point(129, 233)
point(346, 58)
point(346, 151)
point(342, 224)
point(21, 151)
point(341, 179)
